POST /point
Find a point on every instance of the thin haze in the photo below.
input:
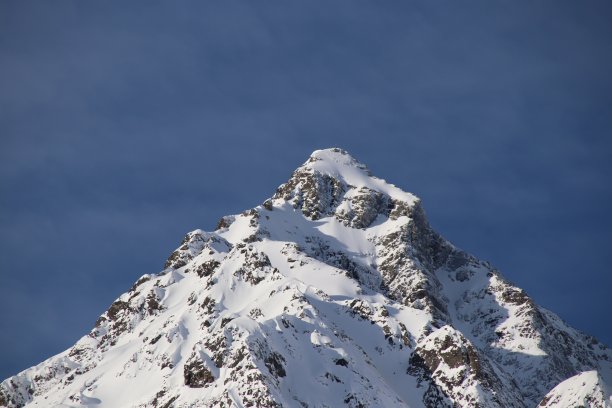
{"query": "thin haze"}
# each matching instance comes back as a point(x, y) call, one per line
point(124, 125)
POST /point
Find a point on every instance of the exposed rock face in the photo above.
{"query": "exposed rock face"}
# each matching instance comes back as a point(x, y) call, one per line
point(196, 374)
point(335, 292)
point(193, 244)
point(407, 262)
point(454, 370)
point(315, 194)
point(361, 208)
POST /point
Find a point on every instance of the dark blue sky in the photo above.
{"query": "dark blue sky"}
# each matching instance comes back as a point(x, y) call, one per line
point(123, 125)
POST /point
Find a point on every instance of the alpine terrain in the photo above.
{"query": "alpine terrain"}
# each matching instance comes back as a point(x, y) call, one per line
point(335, 292)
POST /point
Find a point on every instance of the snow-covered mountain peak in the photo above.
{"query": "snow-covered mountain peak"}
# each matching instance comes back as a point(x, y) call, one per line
point(334, 292)
point(335, 154)
point(332, 182)
point(334, 161)
point(340, 165)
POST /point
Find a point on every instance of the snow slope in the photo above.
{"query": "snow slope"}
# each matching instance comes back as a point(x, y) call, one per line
point(334, 292)
point(582, 390)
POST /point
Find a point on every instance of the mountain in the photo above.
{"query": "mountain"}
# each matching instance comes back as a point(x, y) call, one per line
point(334, 292)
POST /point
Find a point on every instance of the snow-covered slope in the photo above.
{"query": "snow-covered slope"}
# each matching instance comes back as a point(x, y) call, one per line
point(334, 292)
point(583, 390)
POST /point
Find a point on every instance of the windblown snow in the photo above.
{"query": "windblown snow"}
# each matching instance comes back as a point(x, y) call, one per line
point(334, 292)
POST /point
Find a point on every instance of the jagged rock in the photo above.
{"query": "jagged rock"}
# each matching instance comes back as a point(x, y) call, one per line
point(314, 193)
point(196, 374)
point(362, 207)
point(207, 268)
point(194, 244)
point(274, 362)
point(456, 370)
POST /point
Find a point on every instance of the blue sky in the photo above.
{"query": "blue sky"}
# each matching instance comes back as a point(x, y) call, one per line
point(125, 125)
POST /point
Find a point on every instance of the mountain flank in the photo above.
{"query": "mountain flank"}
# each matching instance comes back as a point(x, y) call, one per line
point(334, 292)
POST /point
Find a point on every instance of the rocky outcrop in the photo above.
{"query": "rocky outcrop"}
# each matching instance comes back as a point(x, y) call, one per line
point(196, 374)
point(408, 277)
point(455, 372)
point(194, 244)
point(315, 194)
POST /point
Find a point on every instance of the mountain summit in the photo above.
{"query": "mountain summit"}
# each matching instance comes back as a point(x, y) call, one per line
point(334, 292)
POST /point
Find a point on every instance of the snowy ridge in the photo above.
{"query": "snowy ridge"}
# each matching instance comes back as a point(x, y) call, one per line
point(334, 292)
point(583, 390)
